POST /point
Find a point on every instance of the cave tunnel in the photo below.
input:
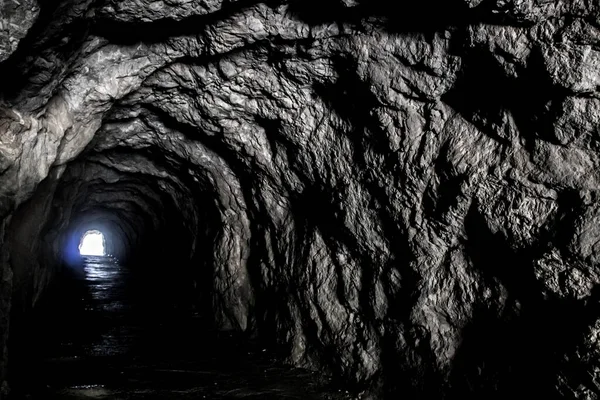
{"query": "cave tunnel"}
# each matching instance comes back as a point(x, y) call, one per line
point(299, 200)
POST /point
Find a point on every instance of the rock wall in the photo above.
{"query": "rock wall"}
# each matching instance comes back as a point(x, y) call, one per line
point(403, 196)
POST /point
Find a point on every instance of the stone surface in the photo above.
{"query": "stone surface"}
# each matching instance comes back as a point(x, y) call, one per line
point(404, 198)
point(16, 18)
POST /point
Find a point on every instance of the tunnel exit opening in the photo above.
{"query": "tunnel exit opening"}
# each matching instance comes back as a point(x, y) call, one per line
point(92, 244)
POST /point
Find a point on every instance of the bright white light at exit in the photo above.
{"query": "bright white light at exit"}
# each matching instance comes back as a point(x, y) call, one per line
point(92, 244)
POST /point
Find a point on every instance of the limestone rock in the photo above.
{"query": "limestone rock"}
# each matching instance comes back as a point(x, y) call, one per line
point(405, 199)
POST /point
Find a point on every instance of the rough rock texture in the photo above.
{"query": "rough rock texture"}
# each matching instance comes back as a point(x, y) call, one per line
point(403, 196)
point(17, 19)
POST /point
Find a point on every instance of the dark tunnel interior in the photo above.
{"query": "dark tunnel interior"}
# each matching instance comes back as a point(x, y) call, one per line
point(340, 199)
point(143, 314)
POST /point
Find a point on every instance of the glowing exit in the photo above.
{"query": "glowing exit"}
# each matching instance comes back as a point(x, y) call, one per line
point(92, 244)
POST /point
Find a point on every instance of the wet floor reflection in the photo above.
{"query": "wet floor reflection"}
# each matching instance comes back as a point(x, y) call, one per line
point(110, 335)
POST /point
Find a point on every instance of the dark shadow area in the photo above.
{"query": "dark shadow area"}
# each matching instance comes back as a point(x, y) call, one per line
point(106, 330)
point(161, 29)
point(394, 16)
point(483, 93)
point(516, 347)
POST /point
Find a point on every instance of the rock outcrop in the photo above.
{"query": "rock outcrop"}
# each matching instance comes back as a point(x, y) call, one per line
point(404, 196)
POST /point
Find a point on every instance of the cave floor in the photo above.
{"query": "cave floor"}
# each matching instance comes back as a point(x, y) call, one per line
point(105, 334)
